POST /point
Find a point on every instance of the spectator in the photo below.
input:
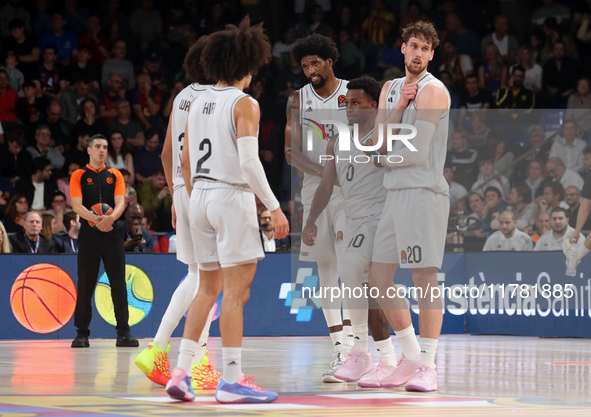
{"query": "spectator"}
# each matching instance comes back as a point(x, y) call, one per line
point(119, 65)
point(89, 121)
point(79, 153)
point(281, 48)
point(506, 43)
point(31, 241)
point(579, 105)
point(445, 78)
point(147, 158)
point(43, 149)
point(525, 210)
point(533, 71)
point(63, 184)
point(31, 109)
point(42, 23)
point(65, 41)
point(352, 61)
point(553, 33)
point(508, 237)
point(24, 47)
point(493, 206)
point(68, 242)
point(61, 131)
point(376, 27)
point(76, 17)
point(48, 225)
point(267, 230)
point(14, 216)
point(463, 159)
point(49, 79)
point(115, 25)
point(16, 163)
point(502, 158)
point(156, 198)
point(130, 193)
point(489, 177)
point(10, 11)
point(473, 99)
point(550, 9)
point(153, 68)
point(414, 13)
point(146, 25)
point(99, 46)
point(115, 92)
point(120, 155)
point(287, 81)
point(456, 191)
point(466, 40)
point(542, 226)
point(558, 171)
point(146, 102)
point(8, 100)
point(82, 69)
point(16, 78)
point(572, 197)
point(131, 129)
point(475, 220)
point(392, 60)
point(569, 148)
point(459, 66)
point(493, 74)
point(136, 238)
point(559, 75)
point(536, 175)
point(57, 209)
point(479, 134)
point(311, 22)
point(4, 240)
point(178, 27)
point(161, 242)
point(541, 149)
point(553, 197)
point(587, 158)
point(70, 100)
point(552, 240)
point(516, 96)
point(39, 187)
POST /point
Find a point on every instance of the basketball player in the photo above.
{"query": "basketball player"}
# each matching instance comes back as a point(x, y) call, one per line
point(323, 97)
point(221, 169)
point(363, 203)
point(153, 360)
point(413, 225)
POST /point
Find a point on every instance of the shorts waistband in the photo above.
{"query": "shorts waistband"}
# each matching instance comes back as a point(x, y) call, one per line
point(206, 183)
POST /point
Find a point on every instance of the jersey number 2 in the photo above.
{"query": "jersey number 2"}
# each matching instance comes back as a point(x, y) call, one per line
point(205, 142)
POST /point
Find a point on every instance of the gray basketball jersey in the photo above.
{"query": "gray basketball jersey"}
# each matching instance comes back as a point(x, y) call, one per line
point(361, 182)
point(212, 134)
point(313, 110)
point(180, 113)
point(429, 173)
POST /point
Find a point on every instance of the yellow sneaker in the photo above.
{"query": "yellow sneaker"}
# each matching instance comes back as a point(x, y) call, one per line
point(204, 376)
point(153, 362)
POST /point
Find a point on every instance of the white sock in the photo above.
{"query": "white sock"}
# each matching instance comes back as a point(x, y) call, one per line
point(386, 351)
point(428, 351)
point(199, 353)
point(202, 348)
point(186, 353)
point(337, 340)
point(360, 334)
point(582, 252)
point(348, 337)
point(232, 359)
point(408, 341)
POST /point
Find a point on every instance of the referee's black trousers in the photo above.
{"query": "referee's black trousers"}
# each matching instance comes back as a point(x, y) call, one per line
point(94, 245)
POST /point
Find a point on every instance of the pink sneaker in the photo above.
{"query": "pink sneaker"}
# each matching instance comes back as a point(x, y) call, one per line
point(382, 371)
point(405, 369)
point(424, 380)
point(358, 363)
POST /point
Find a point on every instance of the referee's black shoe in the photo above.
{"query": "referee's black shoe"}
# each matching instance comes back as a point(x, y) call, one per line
point(127, 341)
point(80, 342)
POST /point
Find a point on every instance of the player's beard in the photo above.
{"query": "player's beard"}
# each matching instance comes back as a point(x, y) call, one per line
point(320, 83)
point(414, 70)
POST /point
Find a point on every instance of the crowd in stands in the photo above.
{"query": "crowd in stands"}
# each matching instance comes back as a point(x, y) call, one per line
point(73, 68)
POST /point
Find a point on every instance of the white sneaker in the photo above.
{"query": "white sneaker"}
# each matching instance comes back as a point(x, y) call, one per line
point(338, 360)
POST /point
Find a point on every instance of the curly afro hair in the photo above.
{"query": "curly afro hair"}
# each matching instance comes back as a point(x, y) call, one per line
point(369, 86)
point(319, 45)
point(192, 63)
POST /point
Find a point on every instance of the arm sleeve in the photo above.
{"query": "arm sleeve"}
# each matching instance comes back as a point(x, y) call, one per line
point(248, 152)
point(421, 142)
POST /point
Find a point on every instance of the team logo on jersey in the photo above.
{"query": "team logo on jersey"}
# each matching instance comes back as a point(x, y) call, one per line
point(309, 102)
point(339, 236)
point(89, 181)
point(369, 142)
point(317, 127)
point(403, 257)
point(342, 101)
point(109, 180)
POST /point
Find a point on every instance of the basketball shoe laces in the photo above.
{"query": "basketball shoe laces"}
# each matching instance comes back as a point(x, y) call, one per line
point(248, 381)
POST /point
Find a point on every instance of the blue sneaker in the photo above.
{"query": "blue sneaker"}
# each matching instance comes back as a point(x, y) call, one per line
point(179, 386)
point(243, 391)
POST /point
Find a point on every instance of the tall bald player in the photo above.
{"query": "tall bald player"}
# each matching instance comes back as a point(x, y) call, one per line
point(323, 99)
point(153, 360)
point(412, 229)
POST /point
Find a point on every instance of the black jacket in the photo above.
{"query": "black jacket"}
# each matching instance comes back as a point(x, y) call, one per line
point(62, 243)
point(20, 244)
point(25, 186)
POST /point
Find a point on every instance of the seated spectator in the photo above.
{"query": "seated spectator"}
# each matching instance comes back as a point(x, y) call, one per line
point(89, 121)
point(120, 154)
point(352, 61)
point(9, 12)
point(475, 220)
point(267, 231)
point(130, 193)
point(587, 158)
point(554, 33)
point(39, 187)
point(57, 208)
point(146, 102)
point(558, 171)
point(569, 148)
point(49, 79)
point(156, 198)
point(32, 241)
point(493, 74)
point(119, 65)
point(43, 149)
point(61, 131)
point(16, 162)
point(550, 8)
point(541, 149)
point(542, 226)
point(536, 175)
point(311, 22)
point(466, 40)
point(516, 98)
point(71, 99)
point(392, 58)
point(8, 100)
point(572, 197)
point(14, 216)
point(136, 238)
point(16, 78)
point(5, 241)
point(533, 71)
point(552, 240)
point(502, 158)
point(153, 69)
point(76, 17)
point(82, 69)
point(24, 47)
point(161, 242)
point(146, 25)
point(472, 100)
point(508, 237)
point(30, 108)
point(553, 197)
point(506, 43)
point(462, 159)
point(456, 191)
point(79, 154)
point(578, 107)
point(493, 207)
point(287, 81)
point(445, 78)
point(375, 29)
point(48, 225)
point(282, 47)
point(115, 91)
point(65, 41)
point(525, 210)
point(489, 177)
point(560, 74)
point(147, 158)
point(99, 46)
point(63, 184)
point(459, 66)
point(414, 13)
point(68, 242)
point(478, 132)
point(123, 123)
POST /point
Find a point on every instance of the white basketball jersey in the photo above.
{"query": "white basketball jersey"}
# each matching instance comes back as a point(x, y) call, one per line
point(313, 110)
point(180, 113)
point(429, 173)
point(361, 182)
point(212, 133)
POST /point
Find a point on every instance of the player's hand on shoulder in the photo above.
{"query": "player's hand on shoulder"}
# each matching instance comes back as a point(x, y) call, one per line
point(280, 222)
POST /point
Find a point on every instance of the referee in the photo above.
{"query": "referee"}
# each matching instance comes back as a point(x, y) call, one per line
point(97, 183)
